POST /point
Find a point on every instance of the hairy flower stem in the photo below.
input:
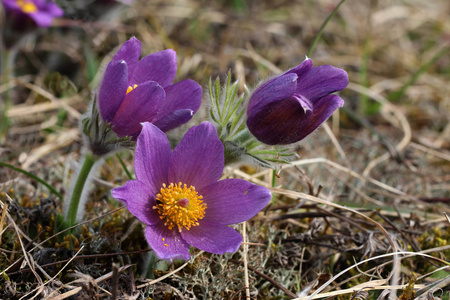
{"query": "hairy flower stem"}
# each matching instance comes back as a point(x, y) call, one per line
point(89, 162)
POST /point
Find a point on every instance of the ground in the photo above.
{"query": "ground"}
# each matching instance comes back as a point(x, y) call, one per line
point(371, 181)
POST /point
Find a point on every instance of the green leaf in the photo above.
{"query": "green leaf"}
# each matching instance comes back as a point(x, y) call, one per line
point(32, 176)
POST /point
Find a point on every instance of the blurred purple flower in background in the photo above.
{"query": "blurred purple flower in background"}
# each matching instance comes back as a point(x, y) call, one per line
point(128, 2)
point(135, 91)
point(287, 108)
point(179, 197)
point(41, 11)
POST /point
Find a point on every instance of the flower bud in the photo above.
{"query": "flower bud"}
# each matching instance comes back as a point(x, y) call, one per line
point(288, 107)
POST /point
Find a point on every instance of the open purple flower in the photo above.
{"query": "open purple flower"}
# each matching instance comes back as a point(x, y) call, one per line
point(41, 11)
point(135, 91)
point(178, 195)
point(287, 108)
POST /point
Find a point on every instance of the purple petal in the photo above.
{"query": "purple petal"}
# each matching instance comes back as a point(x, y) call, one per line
point(278, 123)
point(323, 109)
point(10, 4)
point(274, 90)
point(198, 160)
point(113, 89)
point(166, 243)
point(322, 81)
point(140, 105)
point(54, 10)
point(160, 67)
point(40, 3)
point(152, 157)
point(129, 52)
point(287, 122)
point(174, 119)
point(213, 238)
point(42, 19)
point(139, 200)
point(183, 99)
point(232, 201)
point(302, 69)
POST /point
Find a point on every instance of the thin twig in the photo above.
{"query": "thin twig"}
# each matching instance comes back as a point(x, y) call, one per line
point(321, 201)
point(115, 283)
point(408, 254)
point(245, 257)
point(162, 277)
point(84, 257)
point(264, 276)
point(56, 275)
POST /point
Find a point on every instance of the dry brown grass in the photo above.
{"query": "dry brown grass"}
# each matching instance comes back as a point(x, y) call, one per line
point(364, 186)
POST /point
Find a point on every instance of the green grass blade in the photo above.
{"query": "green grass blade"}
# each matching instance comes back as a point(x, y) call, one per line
point(322, 28)
point(274, 178)
point(398, 94)
point(32, 176)
point(4, 120)
point(124, 167)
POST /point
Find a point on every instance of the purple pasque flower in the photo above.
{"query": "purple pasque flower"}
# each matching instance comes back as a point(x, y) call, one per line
point(134, 91)
point(178, 196)
point(41, 11)
point(287, 108)
point(122, 1)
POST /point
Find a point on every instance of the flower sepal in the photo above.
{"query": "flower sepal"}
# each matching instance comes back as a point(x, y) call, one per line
point(228, 115)
point(99, 136)
point(266, 158)
point(227, 109)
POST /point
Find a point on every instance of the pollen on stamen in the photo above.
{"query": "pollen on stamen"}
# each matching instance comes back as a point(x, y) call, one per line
point(130, 88)
point(180, 206)
point(26, 6)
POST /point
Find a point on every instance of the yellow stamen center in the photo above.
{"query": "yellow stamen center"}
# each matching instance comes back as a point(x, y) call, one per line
point(27, 6)
point(130, 88)
point(180, 206)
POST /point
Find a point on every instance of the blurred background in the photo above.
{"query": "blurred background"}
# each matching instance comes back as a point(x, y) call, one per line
point(398, 50)
point(394, 128)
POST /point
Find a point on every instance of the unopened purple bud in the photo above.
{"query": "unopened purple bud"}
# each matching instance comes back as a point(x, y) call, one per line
point(288, 107)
